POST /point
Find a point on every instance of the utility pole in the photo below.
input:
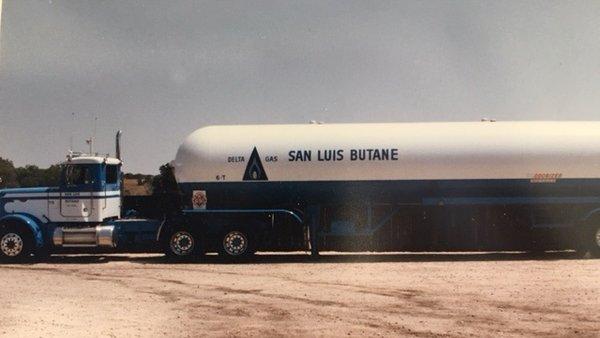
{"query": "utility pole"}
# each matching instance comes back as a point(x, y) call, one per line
point(0, 27)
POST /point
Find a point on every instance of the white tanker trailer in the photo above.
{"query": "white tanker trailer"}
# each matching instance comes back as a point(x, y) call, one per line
point(393, 186)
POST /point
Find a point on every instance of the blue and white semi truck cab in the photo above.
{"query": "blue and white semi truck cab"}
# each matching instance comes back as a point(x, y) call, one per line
point(83, 212)
point(76, 213)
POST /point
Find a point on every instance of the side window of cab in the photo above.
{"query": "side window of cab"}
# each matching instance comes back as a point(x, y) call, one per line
point(112, 174)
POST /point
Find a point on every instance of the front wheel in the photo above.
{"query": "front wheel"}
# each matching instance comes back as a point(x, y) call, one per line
point(181, 244)
point(15, 244)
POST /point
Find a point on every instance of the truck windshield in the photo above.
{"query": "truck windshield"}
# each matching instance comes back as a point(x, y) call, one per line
point(77, 175)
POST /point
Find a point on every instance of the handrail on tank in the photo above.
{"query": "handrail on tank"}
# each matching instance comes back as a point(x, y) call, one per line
point(285, 211)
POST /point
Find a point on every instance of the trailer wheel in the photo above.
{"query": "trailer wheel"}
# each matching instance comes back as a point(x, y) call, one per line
point(16, 243)
point(595, 241)
point(589, 242)
point(181, 244)
point(237, 244)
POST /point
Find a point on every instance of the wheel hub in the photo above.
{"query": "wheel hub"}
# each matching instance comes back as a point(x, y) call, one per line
point(182, 243)
point(11, 244)
point(235, 243)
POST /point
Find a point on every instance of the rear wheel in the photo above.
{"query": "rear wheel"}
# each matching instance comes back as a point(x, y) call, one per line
point(595, 245)
point(590, 242)
point(15, 243)
point(237, 244)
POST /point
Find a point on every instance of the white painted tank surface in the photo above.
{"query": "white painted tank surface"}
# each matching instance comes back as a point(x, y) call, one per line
point(542, 151)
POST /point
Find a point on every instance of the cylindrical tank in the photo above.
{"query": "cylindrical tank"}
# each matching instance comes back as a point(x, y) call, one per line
point(391, 151)
point(98, 236)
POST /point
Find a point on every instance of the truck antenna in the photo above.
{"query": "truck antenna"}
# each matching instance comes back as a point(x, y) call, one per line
point(90, 142)
point(72, 128)
point(93, 135)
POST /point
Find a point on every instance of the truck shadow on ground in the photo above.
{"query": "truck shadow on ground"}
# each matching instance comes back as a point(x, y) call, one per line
point(276, 258)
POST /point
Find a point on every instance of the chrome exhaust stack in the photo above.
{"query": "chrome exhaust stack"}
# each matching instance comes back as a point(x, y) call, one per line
point(118, 144)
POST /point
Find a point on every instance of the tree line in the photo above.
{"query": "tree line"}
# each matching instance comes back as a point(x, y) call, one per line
point(27, 176)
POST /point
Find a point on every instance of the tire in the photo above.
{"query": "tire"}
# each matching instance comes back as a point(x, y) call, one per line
point(587, 241)
point(237, 244)
point(591, 241)
point(181, 245)
point(16, 243)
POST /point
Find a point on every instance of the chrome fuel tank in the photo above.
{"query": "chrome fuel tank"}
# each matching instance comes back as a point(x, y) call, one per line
point(99, 236)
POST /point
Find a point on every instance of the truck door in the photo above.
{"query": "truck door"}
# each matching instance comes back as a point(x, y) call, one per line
point(76, 194)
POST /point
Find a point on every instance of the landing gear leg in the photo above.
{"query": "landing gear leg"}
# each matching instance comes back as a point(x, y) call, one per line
point(313, 226)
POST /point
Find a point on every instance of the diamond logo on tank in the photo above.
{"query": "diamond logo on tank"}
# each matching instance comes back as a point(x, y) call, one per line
point(255, 170)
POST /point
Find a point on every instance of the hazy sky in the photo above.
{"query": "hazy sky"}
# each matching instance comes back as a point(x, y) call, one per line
point(160, 69)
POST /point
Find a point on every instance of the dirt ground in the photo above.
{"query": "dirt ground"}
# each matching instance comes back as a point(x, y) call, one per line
point(421, 295)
